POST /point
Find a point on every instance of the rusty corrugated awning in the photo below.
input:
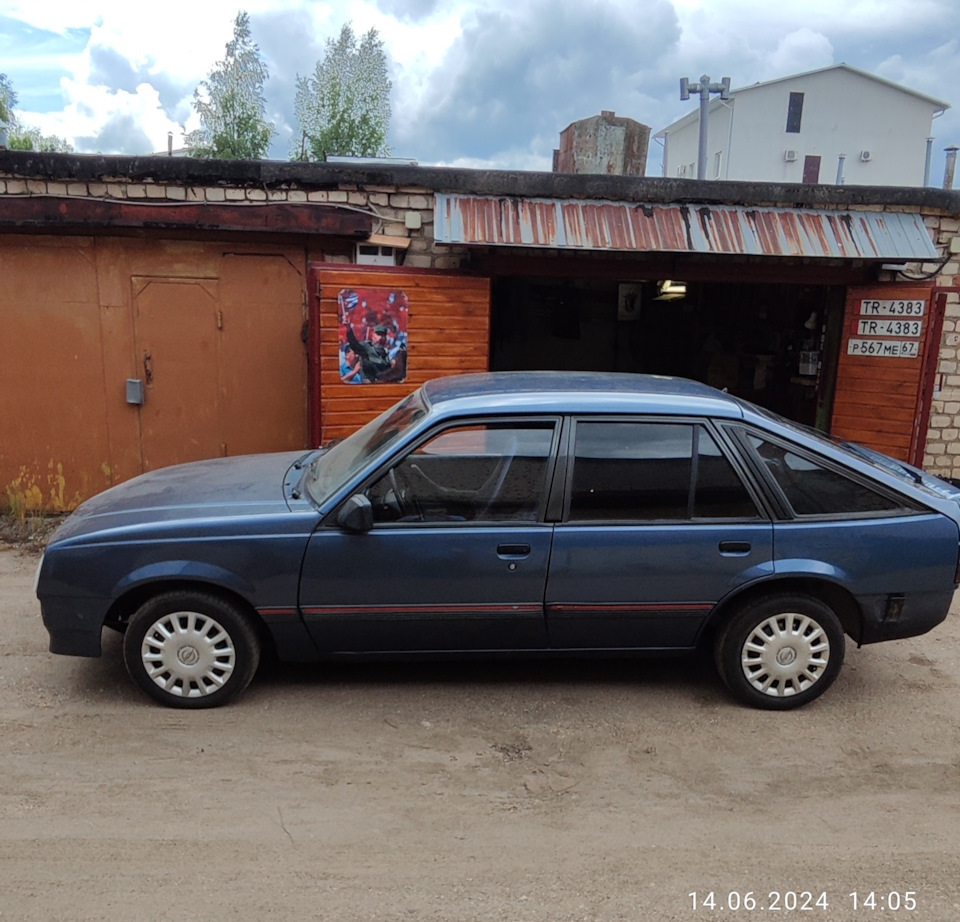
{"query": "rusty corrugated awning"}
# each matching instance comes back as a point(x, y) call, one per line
point(673, 228)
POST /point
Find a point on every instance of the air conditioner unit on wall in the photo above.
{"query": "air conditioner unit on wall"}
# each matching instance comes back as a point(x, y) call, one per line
point(790, 155)
point(866, 156)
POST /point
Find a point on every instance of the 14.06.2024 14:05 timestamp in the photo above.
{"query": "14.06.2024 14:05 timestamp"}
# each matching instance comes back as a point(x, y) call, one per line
point(801, 901)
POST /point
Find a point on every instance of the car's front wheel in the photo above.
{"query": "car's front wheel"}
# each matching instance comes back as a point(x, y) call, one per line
point(780, 652)
point(191, 649)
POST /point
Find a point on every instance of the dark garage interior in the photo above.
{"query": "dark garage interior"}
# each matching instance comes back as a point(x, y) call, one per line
point(773, 344)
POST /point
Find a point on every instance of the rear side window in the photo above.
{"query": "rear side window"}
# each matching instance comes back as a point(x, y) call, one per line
point(814, 489)
point(637, 471)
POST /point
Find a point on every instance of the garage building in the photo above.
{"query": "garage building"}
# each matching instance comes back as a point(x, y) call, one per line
point(158, 310)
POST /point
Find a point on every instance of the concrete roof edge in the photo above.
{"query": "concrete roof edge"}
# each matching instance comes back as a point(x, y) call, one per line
point(276, 174)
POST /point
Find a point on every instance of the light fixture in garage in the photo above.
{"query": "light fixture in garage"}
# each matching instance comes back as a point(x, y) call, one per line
point(668, 290)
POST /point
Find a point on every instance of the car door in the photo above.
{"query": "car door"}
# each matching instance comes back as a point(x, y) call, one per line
point(658, 525)
point(457, 556)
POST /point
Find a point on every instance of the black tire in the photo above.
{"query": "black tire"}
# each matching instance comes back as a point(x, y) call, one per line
point(780, 652)
point(190, 649)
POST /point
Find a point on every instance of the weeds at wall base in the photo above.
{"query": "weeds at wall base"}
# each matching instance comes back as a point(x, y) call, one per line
point(28, 533)
point(35, 505)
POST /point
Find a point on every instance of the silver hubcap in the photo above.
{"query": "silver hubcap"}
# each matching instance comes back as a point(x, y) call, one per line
point(785, 654)
point(188, 654)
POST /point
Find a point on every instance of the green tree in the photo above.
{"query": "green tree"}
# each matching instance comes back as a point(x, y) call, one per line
point(19, 135)
point(343, 108)
point(230, 103)
point(8, 99)
point(29, 138)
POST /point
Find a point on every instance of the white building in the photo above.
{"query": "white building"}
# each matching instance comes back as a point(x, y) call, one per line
point(833, 124)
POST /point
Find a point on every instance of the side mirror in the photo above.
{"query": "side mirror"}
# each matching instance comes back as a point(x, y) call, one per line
point(356, 515)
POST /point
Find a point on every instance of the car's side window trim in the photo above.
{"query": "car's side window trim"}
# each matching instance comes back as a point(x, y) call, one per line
point(556, 496)
point(757, 497)
point(396, 458)
point(741, 432)
point(743, 464)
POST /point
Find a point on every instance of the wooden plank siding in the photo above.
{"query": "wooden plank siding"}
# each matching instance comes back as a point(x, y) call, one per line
point(448, 329)
point(879, 401)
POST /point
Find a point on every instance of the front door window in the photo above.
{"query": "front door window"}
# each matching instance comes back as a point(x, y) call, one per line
point(484, 472)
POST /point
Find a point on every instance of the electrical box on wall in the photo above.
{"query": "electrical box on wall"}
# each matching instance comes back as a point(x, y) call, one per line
point(369, 254)
point(135, 391)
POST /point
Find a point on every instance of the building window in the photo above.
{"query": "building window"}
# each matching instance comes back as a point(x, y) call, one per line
point(794, 113)
point(717, 164)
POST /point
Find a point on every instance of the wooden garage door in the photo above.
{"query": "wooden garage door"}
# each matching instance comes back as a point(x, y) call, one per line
point(891, 340)
point(447, 319)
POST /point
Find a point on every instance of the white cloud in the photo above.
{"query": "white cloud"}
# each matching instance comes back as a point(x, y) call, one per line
point(485, 82)
point(797, 52)
point(91, 111)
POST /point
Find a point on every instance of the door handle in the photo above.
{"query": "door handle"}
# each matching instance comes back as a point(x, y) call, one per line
point(513, 550)
point(735, 548)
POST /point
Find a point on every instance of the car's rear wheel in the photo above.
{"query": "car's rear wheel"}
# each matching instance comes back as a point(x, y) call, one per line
point(191, 649)
point(780, 652)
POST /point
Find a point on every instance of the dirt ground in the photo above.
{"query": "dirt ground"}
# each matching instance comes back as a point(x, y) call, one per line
point(564, 791)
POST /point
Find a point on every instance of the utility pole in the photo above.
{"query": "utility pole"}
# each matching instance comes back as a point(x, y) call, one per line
point(704, 88)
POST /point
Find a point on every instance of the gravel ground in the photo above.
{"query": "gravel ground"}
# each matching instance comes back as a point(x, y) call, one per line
point(565, 791)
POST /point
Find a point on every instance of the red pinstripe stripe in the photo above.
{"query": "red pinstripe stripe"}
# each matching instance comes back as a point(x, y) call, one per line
point(622, 606)
point(416, 609)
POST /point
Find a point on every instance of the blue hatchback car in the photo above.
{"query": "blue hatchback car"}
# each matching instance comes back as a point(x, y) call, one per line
point(524, 512)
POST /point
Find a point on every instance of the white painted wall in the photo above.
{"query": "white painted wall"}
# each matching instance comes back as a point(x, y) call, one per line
point(843, 112)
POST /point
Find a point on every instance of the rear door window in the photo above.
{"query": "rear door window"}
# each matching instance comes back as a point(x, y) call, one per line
point(653, 471)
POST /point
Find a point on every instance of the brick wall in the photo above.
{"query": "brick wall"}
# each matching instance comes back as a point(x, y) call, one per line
point(390, 205)
point(942, 455)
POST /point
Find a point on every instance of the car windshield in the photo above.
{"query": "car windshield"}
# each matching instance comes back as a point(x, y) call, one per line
point(340, 462)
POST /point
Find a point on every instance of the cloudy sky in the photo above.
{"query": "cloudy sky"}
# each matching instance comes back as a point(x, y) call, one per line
point(478, 83)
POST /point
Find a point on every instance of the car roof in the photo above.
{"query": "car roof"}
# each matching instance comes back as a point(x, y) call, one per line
point(578, 392)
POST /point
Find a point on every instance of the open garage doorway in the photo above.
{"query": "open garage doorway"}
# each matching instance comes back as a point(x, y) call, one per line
point(774, 344)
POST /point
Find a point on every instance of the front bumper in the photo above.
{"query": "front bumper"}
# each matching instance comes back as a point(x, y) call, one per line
point(75, 625)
